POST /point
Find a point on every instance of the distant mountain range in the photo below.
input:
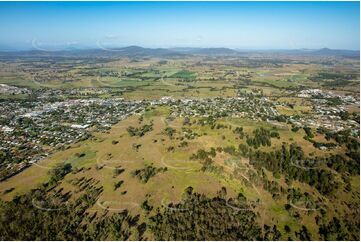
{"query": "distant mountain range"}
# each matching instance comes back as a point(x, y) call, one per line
point(326, 51)
point(137, 51)
point(207, 51)
point(316, 52)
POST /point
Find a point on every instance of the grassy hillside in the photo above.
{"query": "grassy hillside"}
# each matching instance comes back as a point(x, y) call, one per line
point(156, 167)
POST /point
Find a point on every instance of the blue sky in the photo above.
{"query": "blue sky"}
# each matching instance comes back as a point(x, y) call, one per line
point(245, 25)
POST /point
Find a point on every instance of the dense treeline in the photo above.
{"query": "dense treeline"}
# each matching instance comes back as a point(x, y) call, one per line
point(345, 137)
point(40, 215)
point(202, 218)
point(343, 165)
point(340, 230)
point(286, 161)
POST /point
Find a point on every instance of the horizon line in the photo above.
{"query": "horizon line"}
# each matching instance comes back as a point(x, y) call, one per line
point(84, 48)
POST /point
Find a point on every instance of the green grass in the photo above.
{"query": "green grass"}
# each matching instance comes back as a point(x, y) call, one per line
point(184, 74)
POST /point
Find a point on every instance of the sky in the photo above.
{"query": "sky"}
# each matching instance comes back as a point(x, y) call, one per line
point(241, 25)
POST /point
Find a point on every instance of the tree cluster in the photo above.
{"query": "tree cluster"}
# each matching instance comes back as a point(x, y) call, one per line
point(147, 172)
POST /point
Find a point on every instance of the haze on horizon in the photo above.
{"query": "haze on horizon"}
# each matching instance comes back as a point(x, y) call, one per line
point(242, 25)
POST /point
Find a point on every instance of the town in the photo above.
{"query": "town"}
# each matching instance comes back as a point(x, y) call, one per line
point(32, 130)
